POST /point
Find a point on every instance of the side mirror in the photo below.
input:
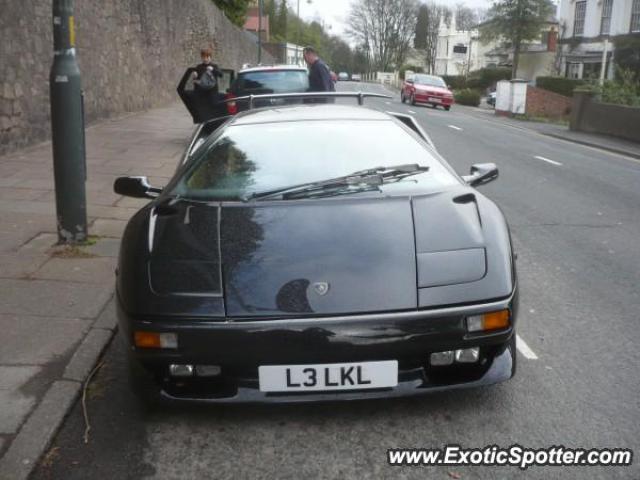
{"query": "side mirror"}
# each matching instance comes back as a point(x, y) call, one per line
point(481, 173)
point(136, 187)
point(409, 80)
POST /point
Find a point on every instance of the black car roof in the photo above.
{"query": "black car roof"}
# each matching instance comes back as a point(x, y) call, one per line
point(308, 112)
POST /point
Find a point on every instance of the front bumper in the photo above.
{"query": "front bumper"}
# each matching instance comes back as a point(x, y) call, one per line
point(425, 98)
point(239, 347)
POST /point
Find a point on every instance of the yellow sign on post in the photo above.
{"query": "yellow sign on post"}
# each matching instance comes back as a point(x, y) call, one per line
point(72, 32)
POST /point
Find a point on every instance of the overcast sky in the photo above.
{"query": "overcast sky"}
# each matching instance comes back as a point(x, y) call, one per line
point(334, 12)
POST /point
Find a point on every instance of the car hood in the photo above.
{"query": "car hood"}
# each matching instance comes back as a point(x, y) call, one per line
point(320, 257)
point(288, 258)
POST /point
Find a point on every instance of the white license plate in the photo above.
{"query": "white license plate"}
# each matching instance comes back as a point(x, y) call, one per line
point(329, 376)
point(435, 99)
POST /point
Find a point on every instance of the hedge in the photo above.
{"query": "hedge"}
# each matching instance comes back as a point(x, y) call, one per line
point(455, 81)
point(561, 85)
point(479, 79)
point(627, 52)
point(487, 77)
point(467, 96)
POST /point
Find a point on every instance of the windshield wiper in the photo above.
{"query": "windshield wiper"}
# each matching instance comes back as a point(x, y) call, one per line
point(370, 177)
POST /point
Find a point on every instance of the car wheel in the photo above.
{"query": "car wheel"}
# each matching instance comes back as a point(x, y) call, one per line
point(413, 99)
point(402, 99)
point(142, 384)
point(514, 354)
point(447, 107)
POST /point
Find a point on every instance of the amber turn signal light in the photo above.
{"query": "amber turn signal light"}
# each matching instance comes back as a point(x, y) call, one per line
point(489, 321)
point(143, 339)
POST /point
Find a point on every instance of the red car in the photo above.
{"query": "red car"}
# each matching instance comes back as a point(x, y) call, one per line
point(421, 88)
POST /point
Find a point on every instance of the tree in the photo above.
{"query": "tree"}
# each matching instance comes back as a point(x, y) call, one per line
point(422, 28)
point(360, 60)
point(480, 14)
point(386, 27)
point(235, 10)
point(270, 9)
point(427, 29)
point(627, 53)
point(466, 18)
point(516, 21)
point(339, 55)
point(281, 20)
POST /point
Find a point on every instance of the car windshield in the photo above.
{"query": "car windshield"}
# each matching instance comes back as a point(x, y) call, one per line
point(272, 81)
point(429, 80)
point(251, 158)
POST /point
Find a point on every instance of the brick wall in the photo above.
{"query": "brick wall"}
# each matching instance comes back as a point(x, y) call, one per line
point(543, 103)
point(131, 55)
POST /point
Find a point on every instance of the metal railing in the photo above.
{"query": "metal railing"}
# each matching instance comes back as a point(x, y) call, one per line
point(275, 96)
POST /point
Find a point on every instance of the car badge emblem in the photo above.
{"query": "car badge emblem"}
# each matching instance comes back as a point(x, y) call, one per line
point(321, 288)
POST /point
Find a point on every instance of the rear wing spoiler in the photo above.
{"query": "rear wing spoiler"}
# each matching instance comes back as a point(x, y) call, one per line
point(306, 95)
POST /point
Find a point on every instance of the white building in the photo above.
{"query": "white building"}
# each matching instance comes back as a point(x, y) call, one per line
point(586, 27)
point(458, 51)
point(286, 53)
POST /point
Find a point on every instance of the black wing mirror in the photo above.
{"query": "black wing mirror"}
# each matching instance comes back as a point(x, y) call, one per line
point(136, 187)
point(481, 173)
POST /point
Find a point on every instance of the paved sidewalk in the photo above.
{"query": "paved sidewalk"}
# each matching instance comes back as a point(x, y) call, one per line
point(56, 309)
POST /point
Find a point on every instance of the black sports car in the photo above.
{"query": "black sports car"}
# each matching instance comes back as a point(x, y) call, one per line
point(296, 255)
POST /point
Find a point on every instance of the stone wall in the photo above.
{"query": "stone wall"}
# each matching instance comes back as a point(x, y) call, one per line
point(588, 115)
point(543, 103)
point(131, 53)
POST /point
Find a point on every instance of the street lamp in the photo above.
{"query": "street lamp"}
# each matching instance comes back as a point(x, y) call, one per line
point(67, 128)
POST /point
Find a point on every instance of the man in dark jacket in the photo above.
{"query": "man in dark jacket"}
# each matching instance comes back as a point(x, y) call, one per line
point(319, 74)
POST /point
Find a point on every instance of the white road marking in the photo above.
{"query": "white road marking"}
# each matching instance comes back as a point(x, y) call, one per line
point(454, 127)
point(388, 103)
point(411, 111)
point(546, 137)
point(524, 349)
point(552, 162)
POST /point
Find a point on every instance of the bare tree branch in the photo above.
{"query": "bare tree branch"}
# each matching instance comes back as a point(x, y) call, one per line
point(385, 28)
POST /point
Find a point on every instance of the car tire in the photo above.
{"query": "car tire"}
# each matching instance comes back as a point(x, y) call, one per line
point(402, 99)
point(142, 384)
point(413, 99)
point(447, 107)
point(514, 354)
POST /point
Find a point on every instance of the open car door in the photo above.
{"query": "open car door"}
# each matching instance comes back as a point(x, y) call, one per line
point(202, 105)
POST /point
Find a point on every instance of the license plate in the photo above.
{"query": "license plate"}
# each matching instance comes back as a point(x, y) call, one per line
point(328, 376)
point(435, 99)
